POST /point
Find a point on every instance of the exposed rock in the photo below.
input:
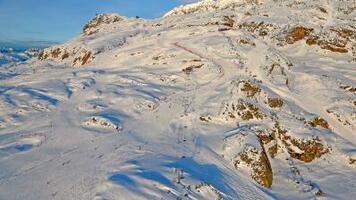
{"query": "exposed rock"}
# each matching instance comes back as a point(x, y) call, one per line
point(312, 40)
point(92, 26)
point(100, 122)
point(275, 102)
point(258, 28)
point(308, 149)
point(228, 22)
point(42, 55)
point(75, 56)
point(65, 55)
point(334, 48)
point(311, 149)
point(268, 142)
point(277, 139)
point(319, 122)
point(205, 118)
point(246, 111)
point(348, 88)
point(250, 89)
point(245, 150)
point(210, 5)
point(84, 58)
point(297, 33)
point(190, 69)
point(258, 162)
point(333, 39)
point(246, 41)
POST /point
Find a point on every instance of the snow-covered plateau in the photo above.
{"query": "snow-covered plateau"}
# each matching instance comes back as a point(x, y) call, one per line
point(229, 99)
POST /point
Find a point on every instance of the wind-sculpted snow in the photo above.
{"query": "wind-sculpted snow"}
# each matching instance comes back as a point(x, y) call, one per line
point(233, 102)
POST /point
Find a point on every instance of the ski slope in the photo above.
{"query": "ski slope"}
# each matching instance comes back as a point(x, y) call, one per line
point(221, 99)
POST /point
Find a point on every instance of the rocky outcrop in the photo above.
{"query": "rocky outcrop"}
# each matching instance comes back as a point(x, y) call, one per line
point(319, 122)
point(72, 56)
point(246, 152)
point(83, 49)
point(297, 33)
point(93, 25)
point(306, 149)
point(242, 110)
point(259, 164)
point(275, 102)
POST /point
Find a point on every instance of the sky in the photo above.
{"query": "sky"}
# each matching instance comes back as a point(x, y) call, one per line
point(43, 22)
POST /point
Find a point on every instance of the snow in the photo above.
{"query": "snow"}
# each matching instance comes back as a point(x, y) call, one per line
point(9, 55)
point(161, 108)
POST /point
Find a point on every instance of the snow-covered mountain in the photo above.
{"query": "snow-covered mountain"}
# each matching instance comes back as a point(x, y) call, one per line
point(9, 55)
point(229, 99)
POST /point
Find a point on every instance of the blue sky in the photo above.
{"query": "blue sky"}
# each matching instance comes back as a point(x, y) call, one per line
point(41, 21)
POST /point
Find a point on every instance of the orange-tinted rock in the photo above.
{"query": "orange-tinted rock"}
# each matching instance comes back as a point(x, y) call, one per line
point(319, 122)
point(258, 162)
point(297, 33)
point(312, 149)
point(275, 102)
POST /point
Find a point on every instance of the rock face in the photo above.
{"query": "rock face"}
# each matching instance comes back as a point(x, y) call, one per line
point(229, 99)
point(75, 56)
point(297, 33)
point(258, 162)
point(93, 26)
